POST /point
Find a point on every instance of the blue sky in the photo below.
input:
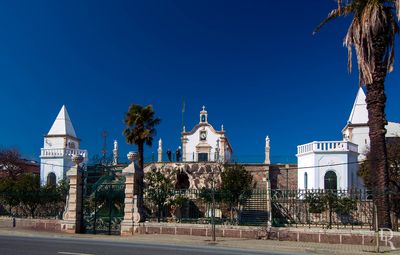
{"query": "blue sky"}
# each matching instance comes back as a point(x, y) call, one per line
point(254, 64)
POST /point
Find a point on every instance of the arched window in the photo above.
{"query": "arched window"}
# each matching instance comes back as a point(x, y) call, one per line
point(330, 180)
point(305, 180)
point(51, 179)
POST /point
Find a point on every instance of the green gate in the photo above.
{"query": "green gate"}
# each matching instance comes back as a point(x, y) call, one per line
point(103, 200)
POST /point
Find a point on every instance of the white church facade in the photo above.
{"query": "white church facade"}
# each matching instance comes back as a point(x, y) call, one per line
point(204, 143)
point(334, 164)
point(60, 144)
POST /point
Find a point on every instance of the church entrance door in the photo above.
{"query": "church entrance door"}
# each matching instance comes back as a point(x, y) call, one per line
point(203, 157)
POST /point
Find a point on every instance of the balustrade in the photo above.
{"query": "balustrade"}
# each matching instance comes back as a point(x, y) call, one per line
point(327, 146)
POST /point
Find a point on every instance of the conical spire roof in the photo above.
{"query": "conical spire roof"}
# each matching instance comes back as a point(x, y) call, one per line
point(62, 125)
point(359, 113)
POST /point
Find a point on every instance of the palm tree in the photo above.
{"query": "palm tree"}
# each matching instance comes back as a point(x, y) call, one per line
point(140, 127)
point(372, 34)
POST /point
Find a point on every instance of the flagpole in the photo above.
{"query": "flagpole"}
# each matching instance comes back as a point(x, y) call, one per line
point(183, 112)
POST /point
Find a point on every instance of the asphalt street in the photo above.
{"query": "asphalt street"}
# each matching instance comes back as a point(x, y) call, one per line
point(17, 245)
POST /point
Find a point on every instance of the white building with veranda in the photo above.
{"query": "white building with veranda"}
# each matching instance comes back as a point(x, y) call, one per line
point(334, 164)
point(59, 145)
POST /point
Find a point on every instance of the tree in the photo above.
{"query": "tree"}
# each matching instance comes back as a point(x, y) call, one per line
point(29, 192)
point(8, 196)
point(393, 152)
point(331, 201)
point(10, 163)
point(158, 190)
point(140, 128)
point(372, 34)
point(26, 194)
point(236, 186)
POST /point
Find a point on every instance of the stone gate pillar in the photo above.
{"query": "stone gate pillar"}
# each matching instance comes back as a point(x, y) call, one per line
point(72, 217)
point(133, 209)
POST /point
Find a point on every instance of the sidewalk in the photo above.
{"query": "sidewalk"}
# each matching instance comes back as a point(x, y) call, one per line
point(236, 243)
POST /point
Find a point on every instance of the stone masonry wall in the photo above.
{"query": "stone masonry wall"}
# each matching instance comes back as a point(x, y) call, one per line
point(33, 224)
point(315, 235)
point(283, 176)
point(259, 173)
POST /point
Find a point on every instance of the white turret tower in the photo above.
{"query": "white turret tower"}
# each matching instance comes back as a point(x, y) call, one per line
point(60, 144)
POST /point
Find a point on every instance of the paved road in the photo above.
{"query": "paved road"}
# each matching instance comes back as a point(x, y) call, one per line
point(12, 245)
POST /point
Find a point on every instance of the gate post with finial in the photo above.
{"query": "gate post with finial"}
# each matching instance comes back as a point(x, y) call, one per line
point(72, 216)
point(133, 209)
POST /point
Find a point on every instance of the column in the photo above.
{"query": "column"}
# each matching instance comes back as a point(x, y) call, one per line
point(184, 156)
point(267, 151)
point(159, 151)
point(72, 218)
point(115, 153)
point(222, 149)
point(133, 210)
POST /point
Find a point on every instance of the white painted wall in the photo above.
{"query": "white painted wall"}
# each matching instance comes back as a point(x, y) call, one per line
point(59, 166)
point(304, 162)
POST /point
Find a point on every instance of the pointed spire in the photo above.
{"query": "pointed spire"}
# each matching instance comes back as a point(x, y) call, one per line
point(62, 125)
point(359, 113)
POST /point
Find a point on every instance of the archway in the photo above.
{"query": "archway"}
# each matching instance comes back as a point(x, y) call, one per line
point(51, 179)
point(182, 181)
point(330, 180)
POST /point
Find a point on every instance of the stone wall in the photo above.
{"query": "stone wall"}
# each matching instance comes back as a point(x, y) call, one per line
point(32, 224)
point(331, 236)
point(283, 176)
point(200, 175)
point(316, 235)
point(259, 173)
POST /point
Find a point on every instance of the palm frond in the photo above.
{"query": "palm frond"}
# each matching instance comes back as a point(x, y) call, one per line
point(342, 10)
point(372, 30)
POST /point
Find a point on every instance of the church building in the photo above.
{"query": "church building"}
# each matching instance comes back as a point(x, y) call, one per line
point(60, 144)
point(204, 143)
point(334, 164)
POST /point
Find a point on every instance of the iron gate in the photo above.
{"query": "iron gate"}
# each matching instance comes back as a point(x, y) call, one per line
point(103, 200)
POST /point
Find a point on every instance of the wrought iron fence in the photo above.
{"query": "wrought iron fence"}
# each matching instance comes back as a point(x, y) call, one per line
point(293, 208)
point(196, 206)
point(24, 197)
point(322, 208)
point(45, 205)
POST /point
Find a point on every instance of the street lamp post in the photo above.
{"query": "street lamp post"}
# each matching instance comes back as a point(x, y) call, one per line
point(213, 210)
